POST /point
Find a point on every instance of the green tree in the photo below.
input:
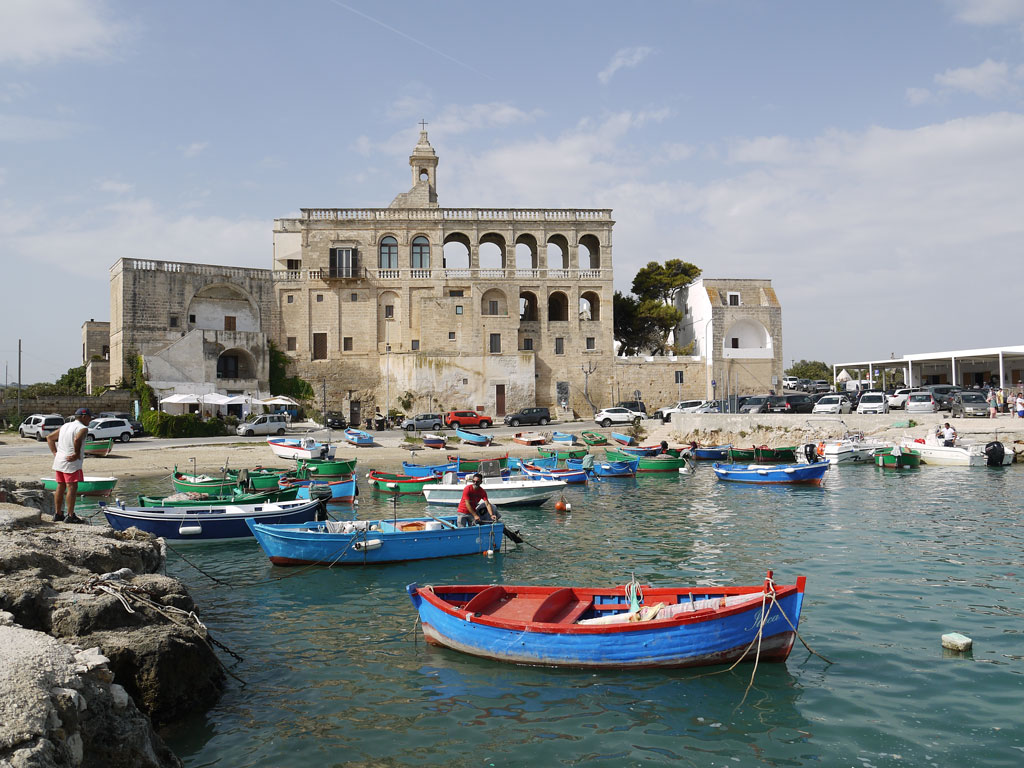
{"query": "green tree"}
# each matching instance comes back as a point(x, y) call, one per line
point(643, 325)
point(811, 369)
point(663, 282)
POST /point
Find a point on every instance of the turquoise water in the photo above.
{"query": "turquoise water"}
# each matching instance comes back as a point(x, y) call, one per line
point(335, 675)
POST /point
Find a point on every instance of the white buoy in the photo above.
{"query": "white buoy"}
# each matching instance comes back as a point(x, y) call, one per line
point(568, 506)
point(954, 641)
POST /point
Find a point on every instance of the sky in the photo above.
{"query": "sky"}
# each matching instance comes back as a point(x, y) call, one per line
point(867, 157)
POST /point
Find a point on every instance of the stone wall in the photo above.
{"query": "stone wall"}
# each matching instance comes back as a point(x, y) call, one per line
point(655, 377)
point(65, 405)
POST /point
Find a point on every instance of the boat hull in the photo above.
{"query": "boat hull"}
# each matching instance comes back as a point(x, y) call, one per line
point(529, 438)
point(707, 637)
point(622, 439)
point(428, 470)
point(662, 463)
point(906, 459)
point(472, 438)
point(712, 453)
point(207, 523)
point(594, 438)
point(608, 468)
point(397, 485)
point(328, 467)
point(314, 544)
point(782, 474)
point(90, 486)
point(562, 453)
point(98, 448)
point(342, 491)
point(521, 493)
point(290, 448)
point(357, 438)
point(570, 475)
point(278, 494)
point(762, 454)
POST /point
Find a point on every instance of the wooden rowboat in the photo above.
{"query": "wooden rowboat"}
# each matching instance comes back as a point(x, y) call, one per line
point(388, 482)
point(787, 474)
point(98, 448)
point(472, 438)
point(665, 462)
point(594, 438)
point(529, 438)
point(563, 453)
point(88, 486)
point(762, 453)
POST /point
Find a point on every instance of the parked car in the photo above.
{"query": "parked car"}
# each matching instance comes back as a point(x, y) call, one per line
point(39, 425)
point(821, 386)
point(921, 402)
point(101, 429)
point(873, 402)
point(711, 406)
point(335, 420)
point(137, 430)
point(423, 421)
point(618, 415)
point(898, 399)
point(943, 394)
point(633, 405)
point(832, 403)
point(665, 413)
point(968, 404)
point(791, 382)
point(805, 385)
point(267, 424)
point(456, 419)
point(535, 415)
point(790, 404)
point(756, 404)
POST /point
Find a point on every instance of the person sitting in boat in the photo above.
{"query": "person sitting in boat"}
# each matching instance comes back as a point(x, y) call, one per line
point(948, 435)
point(474, 507)
point(663, 448)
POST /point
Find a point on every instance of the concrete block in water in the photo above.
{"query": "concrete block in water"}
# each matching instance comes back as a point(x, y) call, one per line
point(954, 641)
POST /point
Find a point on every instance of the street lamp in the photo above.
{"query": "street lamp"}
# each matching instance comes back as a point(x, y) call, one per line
point(387, 369)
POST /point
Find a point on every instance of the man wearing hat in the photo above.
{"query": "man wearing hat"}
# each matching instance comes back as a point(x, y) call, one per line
point(66, 446)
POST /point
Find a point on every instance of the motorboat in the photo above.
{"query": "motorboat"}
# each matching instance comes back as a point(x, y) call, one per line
point(300, 448)
point(853, 449)
point(501, 493)
point(962, 453)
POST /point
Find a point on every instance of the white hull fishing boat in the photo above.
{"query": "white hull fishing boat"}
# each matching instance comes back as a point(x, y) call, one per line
point(851, 449)
point(960, 454)
point(507, 493)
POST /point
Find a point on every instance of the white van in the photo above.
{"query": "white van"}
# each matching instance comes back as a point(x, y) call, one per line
point(267, 424)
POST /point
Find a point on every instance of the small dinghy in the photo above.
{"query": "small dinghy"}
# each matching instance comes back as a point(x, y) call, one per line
point(792, 474)
point(209, 522)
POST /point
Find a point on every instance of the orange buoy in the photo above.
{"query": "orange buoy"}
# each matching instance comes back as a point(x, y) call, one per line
point(560, 505)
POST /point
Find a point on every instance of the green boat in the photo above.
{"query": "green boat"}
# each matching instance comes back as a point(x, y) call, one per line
point(665, 462)
point(238, 497)
point(897, 458)
point(473, 465)
point(763, 453)
point(215, 486)
point(562, 453)
point(327, 467)
point(89, 486)
point(594, 438)
point(260, 478)
point(98, 448)
point(389, 482)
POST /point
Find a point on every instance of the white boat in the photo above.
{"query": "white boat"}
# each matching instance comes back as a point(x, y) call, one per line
point(961, 454)
point(304, 448)
point(854, 449)
point(501, 493)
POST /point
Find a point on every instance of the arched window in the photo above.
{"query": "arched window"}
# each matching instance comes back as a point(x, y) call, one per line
point(590, 306)
point(388, 258)
point(420, 253)
point(558, 307)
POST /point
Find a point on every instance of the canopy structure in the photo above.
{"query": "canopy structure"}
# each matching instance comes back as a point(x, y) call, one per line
point(278, 400)
point(180, 399)
point(998, 366)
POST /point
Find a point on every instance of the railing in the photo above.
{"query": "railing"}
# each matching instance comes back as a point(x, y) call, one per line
point(457, 214)
point(460, 273)
point(149, 265)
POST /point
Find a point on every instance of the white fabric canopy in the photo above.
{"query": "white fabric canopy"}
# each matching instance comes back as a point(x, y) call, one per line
point(214, 398)
point(180, 399)
point(238, 400)
point(279, 400)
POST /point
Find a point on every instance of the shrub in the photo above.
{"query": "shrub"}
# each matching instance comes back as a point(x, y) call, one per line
point(161, 424)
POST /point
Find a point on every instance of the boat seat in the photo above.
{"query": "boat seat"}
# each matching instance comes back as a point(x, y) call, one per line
point(563, 606)
point(485, 599)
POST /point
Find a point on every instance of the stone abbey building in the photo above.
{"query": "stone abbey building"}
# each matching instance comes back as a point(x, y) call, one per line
point(420, 307)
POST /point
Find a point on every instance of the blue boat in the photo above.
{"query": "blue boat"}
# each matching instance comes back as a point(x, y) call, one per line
point(610, 628)
point(357, 437)
point(362, 542)
point(472, 438)
point(340, 490)
point(793, 474)
point(622, 439)
point(210, 522)
point(427, 470)
point(711, 452)
point(563, 437)
point(640, 450)
point(570, 476)
point(607, 468)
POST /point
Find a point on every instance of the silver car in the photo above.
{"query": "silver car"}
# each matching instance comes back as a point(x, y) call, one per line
point(969, 404)
point(921, 402)
point(423, 421)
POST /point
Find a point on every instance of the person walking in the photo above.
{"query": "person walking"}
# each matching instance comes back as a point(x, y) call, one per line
point(1019, 402)
point(66, 445)
point(991, 400)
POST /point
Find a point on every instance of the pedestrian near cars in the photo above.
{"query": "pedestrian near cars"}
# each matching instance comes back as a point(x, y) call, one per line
point(1019, 402)
point(66, 445)
point(991, 400)
point(948, 435)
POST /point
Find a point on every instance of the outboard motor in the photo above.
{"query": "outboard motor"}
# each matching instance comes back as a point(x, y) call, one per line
point(995, 452)
point(811, 452)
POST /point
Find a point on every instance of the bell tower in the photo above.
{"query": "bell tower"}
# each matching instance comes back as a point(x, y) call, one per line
point(423, 162)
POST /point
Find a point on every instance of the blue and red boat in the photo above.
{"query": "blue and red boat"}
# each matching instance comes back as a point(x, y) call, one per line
point(616, 628)
point(357, 437)
point(340, 491)
point(711, 452)
point(567, 475)
point(792, 474)
point(472, 438)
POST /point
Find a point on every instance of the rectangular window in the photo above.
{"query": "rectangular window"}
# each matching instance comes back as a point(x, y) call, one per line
point(342, 262)
point(495, 345)
point(229, 323)
point(389, 311)
point(559, 346)
point(355, 297)
point(346, 344)
point(172, 321)
point(293, 264)
point(192, 319)
point(415, 345)
point(492, 307)
point(319, 297)
point(528, 344)
point(291, 343)
point(591, 342)
point(735, 343)
point(458, 294)
point(451, 335)
point(319, 346)
point(290, 299)
point(458, 309)
point(734, 299)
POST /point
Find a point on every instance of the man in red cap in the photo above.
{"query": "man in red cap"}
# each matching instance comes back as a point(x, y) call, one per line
point(66, 446)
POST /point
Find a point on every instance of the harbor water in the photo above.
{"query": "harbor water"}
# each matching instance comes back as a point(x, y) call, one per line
point(336, 672)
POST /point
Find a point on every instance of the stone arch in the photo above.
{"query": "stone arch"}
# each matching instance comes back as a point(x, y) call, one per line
point(212, 303)
point(387, 253)
point(748, 334)
point(526, 252)
point(528, 307)
point(590, 306)
point(419, 252)
point(558, 307)
point(455, 251)
point(493, 251)
point(384, 316)
point(236, 363)
point(557, 252)
point(590, 252)
point(494, 302)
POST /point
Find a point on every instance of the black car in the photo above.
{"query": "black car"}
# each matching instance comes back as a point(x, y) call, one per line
point(136, 425)
point(790, 404)
point(335, 420)
point(528, 416)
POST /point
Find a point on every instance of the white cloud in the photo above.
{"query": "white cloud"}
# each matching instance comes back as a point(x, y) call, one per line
point(987, 12)
point(989, 79)
point(918, 96)
point(11, 92)
point(44, 31)
point(115, 187)
point(624, 58)
point(194, 149)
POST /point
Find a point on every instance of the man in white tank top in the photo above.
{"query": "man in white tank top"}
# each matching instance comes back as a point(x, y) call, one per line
point(66, 445)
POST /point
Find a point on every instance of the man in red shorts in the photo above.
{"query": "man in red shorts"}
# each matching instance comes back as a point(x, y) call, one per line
point(66, 446)
point(474, 507)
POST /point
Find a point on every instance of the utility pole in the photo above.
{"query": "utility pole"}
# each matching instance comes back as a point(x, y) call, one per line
point(19, 381)
point(387, 369)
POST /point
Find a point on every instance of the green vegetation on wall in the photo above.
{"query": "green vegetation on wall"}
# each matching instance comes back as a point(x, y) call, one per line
point(283, 384)
point(161, 424)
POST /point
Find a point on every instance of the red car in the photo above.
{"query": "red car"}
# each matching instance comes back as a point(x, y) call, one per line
point(467, 419)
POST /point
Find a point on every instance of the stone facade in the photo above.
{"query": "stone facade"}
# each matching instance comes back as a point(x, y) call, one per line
point(96, 355)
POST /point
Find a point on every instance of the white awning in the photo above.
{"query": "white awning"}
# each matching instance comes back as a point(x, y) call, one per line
point(279, 400)
point(180, 399)
point(214, 398)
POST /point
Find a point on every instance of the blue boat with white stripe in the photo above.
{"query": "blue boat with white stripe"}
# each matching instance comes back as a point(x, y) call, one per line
point(791, 474)
point(211, 522)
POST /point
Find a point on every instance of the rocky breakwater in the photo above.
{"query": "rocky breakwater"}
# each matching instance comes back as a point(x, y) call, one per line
point(95, 645)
